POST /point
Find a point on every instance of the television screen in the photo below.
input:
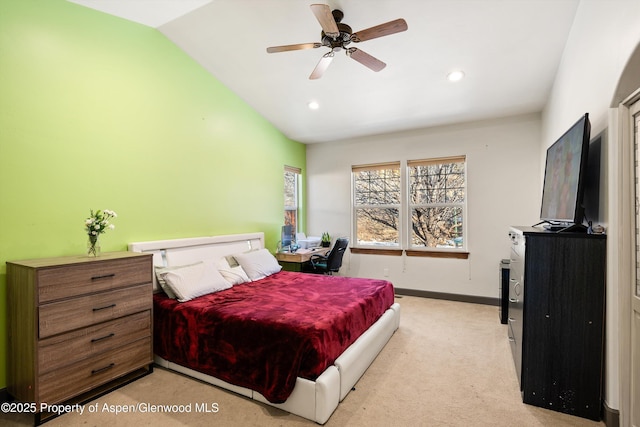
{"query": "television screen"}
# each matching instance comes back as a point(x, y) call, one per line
point(564, 176)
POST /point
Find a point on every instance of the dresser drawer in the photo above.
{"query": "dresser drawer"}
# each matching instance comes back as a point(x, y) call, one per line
point(74, 280)
point(65, 349)
point(61, 384)
point(74, 313)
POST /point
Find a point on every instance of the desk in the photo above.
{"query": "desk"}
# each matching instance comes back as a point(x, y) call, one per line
point(297, 261)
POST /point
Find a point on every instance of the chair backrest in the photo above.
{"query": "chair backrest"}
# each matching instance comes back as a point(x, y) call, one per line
point(334, 259)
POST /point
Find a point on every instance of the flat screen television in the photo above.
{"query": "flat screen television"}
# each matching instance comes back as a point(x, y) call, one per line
point(564, 176)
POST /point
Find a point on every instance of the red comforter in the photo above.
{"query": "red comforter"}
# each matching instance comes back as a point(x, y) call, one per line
point(262, 335)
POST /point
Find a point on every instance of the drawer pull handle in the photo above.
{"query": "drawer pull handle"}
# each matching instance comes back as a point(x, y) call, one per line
point(97, 371)
point(105, 307)
point(513, 300)
point(105, 276)
point(103, 338)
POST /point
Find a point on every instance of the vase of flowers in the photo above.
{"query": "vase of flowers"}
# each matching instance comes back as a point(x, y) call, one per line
point(97, 224)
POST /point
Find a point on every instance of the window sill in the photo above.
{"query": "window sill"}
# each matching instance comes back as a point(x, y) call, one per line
point(376, 251)
point(437, 254)
point(410, 252)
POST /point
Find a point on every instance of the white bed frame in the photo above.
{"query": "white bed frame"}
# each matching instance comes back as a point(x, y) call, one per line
point(313, 400)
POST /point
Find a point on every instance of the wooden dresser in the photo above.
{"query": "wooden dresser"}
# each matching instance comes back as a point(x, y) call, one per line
point(78, 326)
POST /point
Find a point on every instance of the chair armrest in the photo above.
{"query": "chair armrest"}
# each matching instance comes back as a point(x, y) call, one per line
point(317, 257)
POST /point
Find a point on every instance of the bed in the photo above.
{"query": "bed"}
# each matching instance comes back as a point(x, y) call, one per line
point(305, 366)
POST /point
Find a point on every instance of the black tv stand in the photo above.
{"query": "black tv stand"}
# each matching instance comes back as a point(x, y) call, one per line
point(562, 227)
point(556, 318)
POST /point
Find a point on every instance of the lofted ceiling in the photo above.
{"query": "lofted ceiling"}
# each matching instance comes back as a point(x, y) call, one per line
point(509, 51)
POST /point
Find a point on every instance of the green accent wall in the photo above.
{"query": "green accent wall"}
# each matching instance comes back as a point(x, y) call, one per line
point(98, 112)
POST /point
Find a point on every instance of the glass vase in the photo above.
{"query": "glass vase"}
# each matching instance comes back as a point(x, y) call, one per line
point(93, 246)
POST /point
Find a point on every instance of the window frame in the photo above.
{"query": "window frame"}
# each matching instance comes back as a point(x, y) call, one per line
point(354, 208)
point(405, 208)
point(297, 196)
point(410, 206)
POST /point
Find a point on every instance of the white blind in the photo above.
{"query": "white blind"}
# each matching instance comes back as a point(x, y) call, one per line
point(375, 166)
point(436, 161)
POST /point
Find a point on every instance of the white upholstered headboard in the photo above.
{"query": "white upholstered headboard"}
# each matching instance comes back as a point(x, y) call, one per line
point(174, 252)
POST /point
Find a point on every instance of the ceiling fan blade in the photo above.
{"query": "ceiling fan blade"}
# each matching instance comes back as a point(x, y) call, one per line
point(325, 18)
point(288, 47)
point(366, 59)
point(322, 66)
point(385, 29)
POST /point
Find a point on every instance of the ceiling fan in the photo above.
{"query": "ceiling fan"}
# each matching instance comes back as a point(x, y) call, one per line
point(336, 36)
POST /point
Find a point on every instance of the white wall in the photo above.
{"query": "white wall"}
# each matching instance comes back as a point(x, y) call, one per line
point(502, 180)
point(603, 36)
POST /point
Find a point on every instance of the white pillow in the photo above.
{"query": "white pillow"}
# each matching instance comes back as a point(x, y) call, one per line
point(195, 280)
point(258, 264)
point(160, 270)
point(234, 275)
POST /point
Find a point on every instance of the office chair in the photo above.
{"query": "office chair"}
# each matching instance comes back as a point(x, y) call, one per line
point(331, 263)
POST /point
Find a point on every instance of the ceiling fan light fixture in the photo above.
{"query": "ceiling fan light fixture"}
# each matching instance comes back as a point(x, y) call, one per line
point(455, 76)
point(337, 36)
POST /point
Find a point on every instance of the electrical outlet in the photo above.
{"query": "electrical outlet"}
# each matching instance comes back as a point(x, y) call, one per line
point(385, 272)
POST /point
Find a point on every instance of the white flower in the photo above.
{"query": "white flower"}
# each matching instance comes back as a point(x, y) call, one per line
point(98, 222)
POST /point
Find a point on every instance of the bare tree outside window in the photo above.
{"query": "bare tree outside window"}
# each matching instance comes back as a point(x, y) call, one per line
point(291, 180)
point(436, 200)
point(377, 205)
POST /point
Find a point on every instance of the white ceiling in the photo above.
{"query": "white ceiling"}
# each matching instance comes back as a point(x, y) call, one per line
point(509, 50)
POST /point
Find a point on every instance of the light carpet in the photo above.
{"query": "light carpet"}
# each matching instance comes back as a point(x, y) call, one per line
point(449, 364)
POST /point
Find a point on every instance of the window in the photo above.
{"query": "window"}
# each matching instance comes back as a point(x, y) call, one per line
point(430, 192)
point(291, 196)
point(436, 202)
point(377, 194)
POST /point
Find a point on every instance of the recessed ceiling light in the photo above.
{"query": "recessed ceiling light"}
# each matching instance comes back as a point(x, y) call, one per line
point(313, 105)
point(455, 76)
